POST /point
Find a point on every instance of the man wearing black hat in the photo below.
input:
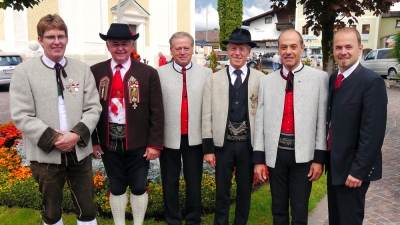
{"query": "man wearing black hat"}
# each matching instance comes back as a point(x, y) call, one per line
point(131, 127)
point(229, 106)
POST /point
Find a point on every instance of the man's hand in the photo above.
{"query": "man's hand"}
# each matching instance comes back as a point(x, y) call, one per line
point(353, 182)
point(315, 171)
point(259, 172)
point(97, 152)
point(66, 141)
point(152, 153)
point(210, 159)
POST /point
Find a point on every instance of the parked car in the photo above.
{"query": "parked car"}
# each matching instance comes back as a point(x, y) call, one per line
point(7, 63)
point(381, 62)
point(224, 58)
point(266, 62)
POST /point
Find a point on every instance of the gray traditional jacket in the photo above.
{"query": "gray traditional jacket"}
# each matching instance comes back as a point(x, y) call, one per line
point(216, 106)
point(310, 93)
point(171, 86)
point(34, 107)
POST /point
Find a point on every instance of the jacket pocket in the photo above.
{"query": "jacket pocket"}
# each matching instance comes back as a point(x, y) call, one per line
point(353, 103)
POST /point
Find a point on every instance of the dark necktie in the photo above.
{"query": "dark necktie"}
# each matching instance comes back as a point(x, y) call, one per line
point(184, 91)
point(59, 70)
point(238, 80)
point(337, 84)
point(289, 81)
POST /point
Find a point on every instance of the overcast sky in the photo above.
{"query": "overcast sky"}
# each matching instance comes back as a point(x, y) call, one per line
point(202, 24)
point(201, 21)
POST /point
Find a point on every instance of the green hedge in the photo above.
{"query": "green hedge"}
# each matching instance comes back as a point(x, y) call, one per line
point(25, 194)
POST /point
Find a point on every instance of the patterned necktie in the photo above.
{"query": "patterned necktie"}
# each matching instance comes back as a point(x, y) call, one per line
point(238, 80)
point(117, 90)
point(289, 81)
point(60, 69)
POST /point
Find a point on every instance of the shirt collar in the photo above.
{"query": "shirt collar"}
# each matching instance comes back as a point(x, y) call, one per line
point(50, 63)
point(286, 71)
point(349, 70)
point(179, 68)
point(125, 65)
point(243, 69)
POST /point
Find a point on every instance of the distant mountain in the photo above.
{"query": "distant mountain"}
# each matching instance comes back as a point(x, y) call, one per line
point(263, 4)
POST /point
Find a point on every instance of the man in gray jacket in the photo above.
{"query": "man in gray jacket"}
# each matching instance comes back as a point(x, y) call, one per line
point(182, 84)
point(55, 104)
point(229, 106)
point(290, 130)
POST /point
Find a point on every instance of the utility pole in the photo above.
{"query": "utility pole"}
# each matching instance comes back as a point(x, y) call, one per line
point(207, 24)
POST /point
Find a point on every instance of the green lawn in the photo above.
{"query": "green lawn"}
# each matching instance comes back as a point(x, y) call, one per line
point(260, 212)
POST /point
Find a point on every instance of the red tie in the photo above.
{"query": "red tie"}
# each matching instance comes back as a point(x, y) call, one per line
point(185, 105)
point(117, 89)
point(338, 83)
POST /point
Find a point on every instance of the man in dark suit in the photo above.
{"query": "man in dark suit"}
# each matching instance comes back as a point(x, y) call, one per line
point(131, 127)
point(356, 122)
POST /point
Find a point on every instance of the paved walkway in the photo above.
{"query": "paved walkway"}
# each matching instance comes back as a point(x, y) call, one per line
point(383, 196)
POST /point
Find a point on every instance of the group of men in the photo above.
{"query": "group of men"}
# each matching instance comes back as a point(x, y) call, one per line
point(125, 112)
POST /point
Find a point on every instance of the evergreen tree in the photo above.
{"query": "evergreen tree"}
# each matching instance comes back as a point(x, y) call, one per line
point(230, 14)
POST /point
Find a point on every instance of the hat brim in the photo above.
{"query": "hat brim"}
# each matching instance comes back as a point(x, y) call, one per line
point(252, 44)
point(130, 37)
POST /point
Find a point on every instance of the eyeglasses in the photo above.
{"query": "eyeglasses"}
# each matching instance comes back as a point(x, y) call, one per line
point(53, 38)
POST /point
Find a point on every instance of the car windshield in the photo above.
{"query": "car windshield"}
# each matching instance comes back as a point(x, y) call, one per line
point(9, 60)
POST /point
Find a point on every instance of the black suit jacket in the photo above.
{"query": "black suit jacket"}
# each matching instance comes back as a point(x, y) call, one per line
point(357, 112)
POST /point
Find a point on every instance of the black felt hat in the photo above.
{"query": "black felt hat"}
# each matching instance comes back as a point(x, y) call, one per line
point(240, 36)
point(119, 31)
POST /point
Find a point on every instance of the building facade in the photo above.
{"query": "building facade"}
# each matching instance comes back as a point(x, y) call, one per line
point(368, 25)
point(390, 26)
point(266, 28)
point(155, 20)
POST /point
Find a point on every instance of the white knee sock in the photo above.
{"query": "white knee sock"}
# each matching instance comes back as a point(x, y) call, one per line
point(60, 222)
point(93, 222)
point(139, 206)
point(118, 206)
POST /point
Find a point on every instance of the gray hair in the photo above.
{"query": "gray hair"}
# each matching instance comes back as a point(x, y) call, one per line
point(181, 34)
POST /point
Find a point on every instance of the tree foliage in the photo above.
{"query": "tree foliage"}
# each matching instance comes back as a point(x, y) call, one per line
point(230, 13)
point(396, 48)
point(323, 15)
point(18, 4)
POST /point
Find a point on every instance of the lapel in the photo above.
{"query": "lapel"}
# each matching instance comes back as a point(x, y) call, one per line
point(190, 81)
point(278, 96)
point(221, 84)
point(252, 92)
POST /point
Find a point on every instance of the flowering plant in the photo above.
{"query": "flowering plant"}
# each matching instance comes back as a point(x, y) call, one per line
point(18, 188)
point(213, 61)
point(10, 162)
